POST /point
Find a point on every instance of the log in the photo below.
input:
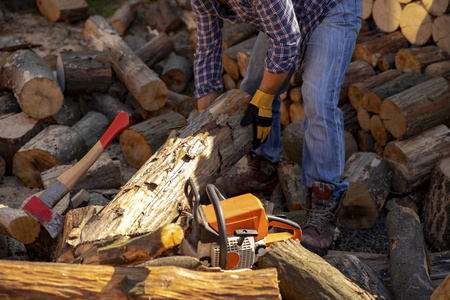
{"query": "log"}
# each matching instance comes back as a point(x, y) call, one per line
point(372, 49)
point(243, 59)
point(356, 91)
point(145, 85)
point(139, 142)
point(387, 14)
point(292, 140)
point(17, 129)
point(415, 23)
point(124, 16)
point(228, 82)
point(296, 112)
point(437, 69)
point(386, 61)
point(416, 109)
point(377, 130)
point(229, 56)
point(233, 34)
point(8, 104)
point(417, 59)
point(52, 146)
point(350, 144)
point(16, 223)
point(413, 160)
point(284, 114)
point(441, 292)
point(305, 275)
point(365, 141)
point(91, 127)
point(373, 99)
point(32, 82)
point(364, 117)
point(110, 108)
point(84, 71)
point(43, 280)
point(205, 149)
point(350, 118)
point(367, 9)
point(409, 262)
point(61, 10)
point(69, 114)
point(357, 71)
point(177, 73)
point(295, 193)
point(370, 179)
point(156, 50)
point(436, 7)
point(439, 32)
point(162, 17)
point(436, 220)
point(295, 94)
point(2, 167)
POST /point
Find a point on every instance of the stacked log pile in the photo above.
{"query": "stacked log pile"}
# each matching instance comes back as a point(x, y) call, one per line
point(130, 206)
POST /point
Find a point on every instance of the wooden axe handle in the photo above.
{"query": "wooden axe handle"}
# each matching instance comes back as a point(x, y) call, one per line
point(71, 176)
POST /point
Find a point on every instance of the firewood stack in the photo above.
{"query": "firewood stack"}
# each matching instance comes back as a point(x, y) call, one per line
point(58, 99)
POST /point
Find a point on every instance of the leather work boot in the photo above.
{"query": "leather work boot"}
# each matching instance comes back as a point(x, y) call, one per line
point(261, 176)
point(321, 218)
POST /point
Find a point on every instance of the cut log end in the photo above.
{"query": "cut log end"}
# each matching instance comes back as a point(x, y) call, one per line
point(28, 165)
point(386, 14)
point(41, 98)
point(357, 211)
point(393, 119)
point(154, 96)
point(416, 23)
point(135, 148)
point(406, 62)
point(171, 235)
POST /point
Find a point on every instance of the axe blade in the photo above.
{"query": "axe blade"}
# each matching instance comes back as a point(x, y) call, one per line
point(52, 221)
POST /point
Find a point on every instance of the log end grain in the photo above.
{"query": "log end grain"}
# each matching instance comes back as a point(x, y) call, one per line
point(406, 62)
point(41, 98)
point(296, 112)
point(440, 32)
point(135, 148)
point(17, 224)
point(416, 23)
point(393, 119)
point(154, 95)
point(358, 209)
point(387, 14)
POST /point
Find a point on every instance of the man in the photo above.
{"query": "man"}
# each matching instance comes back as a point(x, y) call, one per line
point(322, 32)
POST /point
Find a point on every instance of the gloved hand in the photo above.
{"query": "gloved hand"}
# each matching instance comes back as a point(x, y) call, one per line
point(259, 112)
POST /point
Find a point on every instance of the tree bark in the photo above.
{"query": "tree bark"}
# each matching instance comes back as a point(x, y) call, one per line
point(413, 160)
point(370, 180)
point(436, 216)
point(176, 73)
point(156, 50)
point(409, 262)
point(416, 109)
point(387, 14)
point(84, 71)
point(8, 104)
point(162, 17)
point(417, 59)
point(111, 107)
point(416, 23)
point(377, 130)
point(145, 85)
point(305, 275)
point(43, 280)
point(63, 10)
point(142, 140)
point(91, 127)
point(290, 178)
point(357, 71)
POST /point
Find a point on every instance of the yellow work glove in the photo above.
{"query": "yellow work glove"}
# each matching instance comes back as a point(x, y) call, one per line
point(259, 112)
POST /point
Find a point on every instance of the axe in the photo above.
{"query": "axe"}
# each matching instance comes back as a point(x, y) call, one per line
point(40, 208)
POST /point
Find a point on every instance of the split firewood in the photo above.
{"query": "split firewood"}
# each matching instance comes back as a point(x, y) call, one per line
point(350, 144)
point(364, 117)
point(91, 127)
point(162, 17)
point(439, 32)
point(156, 50)
point(365, 141)
point(228, 82)
point(61, 10)
point(295, 94)
point(80, 199)
point(415, 23)
point(441, 292)
point(84, 71)
point(305, 275)
point(357, 71)
point(229, 56)
point(436, 221)
point(145, 85)
point(295, 193)
point(292, 140)
point(296, 112)
point(110, 108)
point(124, 16)
point(417, 59)
point(142, 140)
point(361, 274)
point(416, 109)
point(409, 262)
point(55, 145)
point(372, 99)
point(387, 14)
point(370, 180)
point(208, 146)
point(104, 173)
point(437, 69)
point(356, 91)
point(413, 160)
point(17, 129)
point(372, 49)
point(8, 104)
point(377, 130)
point(233, 34)
point(177, 73)
point(16, 223)
point(386, 61)
point(32, 81)
point(284, 114)
point(43, 280)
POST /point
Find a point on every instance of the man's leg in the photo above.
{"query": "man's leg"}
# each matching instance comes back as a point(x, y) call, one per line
point(327, 56)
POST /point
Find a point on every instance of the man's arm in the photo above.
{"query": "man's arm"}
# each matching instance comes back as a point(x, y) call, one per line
point(207, 100)
point(271, 83)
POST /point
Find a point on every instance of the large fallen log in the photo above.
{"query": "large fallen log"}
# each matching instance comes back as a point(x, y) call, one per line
point(305, 275)
point(145, 85)
point(206, 148)
point(20, 279)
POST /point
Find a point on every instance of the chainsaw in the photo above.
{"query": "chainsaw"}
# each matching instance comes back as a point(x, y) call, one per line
point(232, 233)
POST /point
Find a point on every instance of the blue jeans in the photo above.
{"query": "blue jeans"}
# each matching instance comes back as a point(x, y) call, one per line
point(327, 55)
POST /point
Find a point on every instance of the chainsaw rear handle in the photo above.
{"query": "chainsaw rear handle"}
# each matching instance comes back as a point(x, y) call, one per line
point(279, 222)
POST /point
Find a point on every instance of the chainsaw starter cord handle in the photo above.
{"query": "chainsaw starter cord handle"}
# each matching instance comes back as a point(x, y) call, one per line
point(212, 192)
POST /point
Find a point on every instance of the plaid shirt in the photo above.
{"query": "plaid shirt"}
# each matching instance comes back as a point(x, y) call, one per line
point(288, 23)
